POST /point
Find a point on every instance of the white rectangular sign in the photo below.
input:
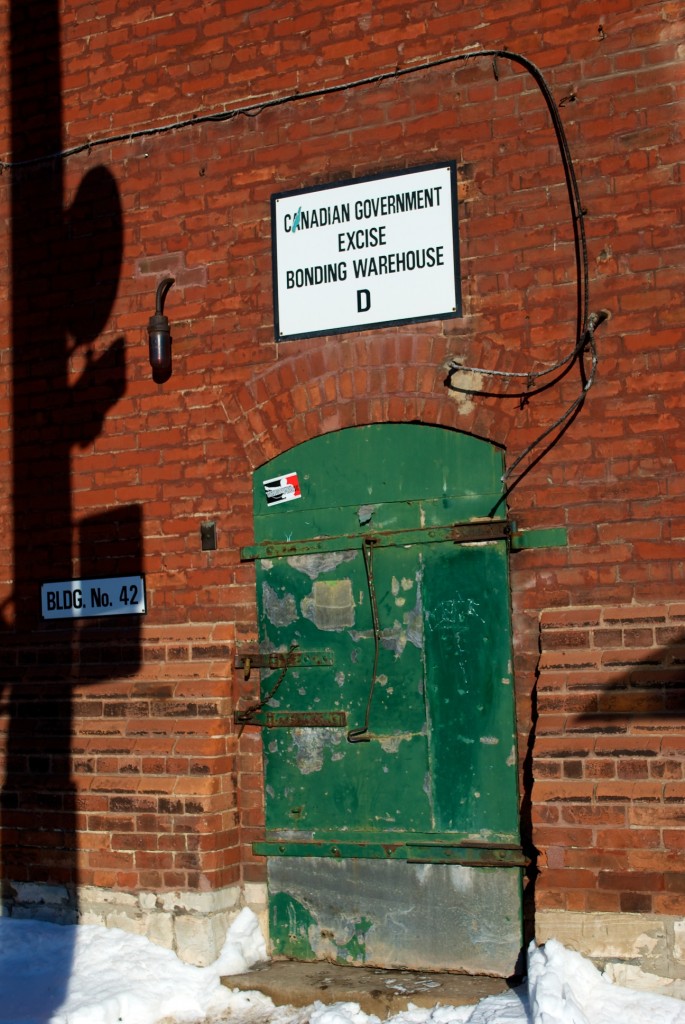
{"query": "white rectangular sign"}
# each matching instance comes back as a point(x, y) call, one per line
point(366, 253)
point(75, 599)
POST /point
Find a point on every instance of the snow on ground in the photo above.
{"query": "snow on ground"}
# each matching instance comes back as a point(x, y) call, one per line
point(57, 974)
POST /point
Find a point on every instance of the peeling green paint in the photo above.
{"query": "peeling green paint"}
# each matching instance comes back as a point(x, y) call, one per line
point(280, 611)
point(310, 747)
point(290, 925)
point(330, 605)
point(439, 757)
point(355, 949)
point(317, 564)
point(391, 744)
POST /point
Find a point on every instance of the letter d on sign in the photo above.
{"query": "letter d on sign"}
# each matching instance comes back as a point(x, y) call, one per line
point(363, 300)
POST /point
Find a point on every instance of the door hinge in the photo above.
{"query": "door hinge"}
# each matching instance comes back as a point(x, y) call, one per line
point(296, 719)
point(486, 855)
point(250, 656)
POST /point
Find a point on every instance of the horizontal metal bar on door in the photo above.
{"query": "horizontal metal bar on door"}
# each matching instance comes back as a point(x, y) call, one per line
point(412, 853)
point(456, 533)
point(299, 719)
point(250, 656)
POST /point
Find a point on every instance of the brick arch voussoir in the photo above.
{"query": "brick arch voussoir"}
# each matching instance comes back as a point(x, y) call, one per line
point(370, 379)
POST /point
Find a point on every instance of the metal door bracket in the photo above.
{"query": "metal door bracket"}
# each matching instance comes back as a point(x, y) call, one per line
point(299, 719)
point(470, 532)
point(247, 657)
point(470, 855)
point(361, 734)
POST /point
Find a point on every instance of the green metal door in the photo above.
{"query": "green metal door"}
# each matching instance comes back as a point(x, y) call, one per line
point(387, 702)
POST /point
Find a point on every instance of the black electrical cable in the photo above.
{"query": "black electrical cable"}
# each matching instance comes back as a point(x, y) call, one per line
point(580, 242)
point(584, 335)
point(589, 345)
point(253, 109)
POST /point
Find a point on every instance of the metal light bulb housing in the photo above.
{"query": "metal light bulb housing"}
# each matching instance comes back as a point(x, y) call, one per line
point(159, 334)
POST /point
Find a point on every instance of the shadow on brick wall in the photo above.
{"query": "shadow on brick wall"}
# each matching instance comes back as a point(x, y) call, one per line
point(530, 851)
point(65, 265)
point(608, 766)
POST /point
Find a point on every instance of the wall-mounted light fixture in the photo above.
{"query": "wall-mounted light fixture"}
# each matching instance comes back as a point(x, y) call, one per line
point(160, 335)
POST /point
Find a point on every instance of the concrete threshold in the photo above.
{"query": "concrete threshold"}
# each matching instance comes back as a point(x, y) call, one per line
point(379, 991)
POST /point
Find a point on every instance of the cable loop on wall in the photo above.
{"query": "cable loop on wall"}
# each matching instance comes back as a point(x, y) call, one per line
point(535, 380)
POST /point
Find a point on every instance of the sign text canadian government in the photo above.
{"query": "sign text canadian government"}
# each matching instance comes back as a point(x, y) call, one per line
point(366, 253)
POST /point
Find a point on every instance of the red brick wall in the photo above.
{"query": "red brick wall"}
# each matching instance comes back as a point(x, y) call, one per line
point(164, 793)
point(608, 761)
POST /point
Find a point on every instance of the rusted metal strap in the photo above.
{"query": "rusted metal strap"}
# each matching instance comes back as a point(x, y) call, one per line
point(299, 719)
point(251, 656)
point(456, 533)
point(246, 717)
point(361, 734)
point(486, 856)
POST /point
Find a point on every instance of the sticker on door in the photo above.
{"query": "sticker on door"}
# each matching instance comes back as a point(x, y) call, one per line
point(282, 488)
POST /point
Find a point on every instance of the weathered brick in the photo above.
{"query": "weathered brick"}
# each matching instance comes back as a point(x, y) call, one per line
point(151, 717)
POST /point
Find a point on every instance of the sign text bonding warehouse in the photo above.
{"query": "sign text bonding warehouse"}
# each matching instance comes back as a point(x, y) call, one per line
point(366, 253)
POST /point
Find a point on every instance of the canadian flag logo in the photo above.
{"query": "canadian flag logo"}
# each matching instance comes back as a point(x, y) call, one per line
point(282, 488)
